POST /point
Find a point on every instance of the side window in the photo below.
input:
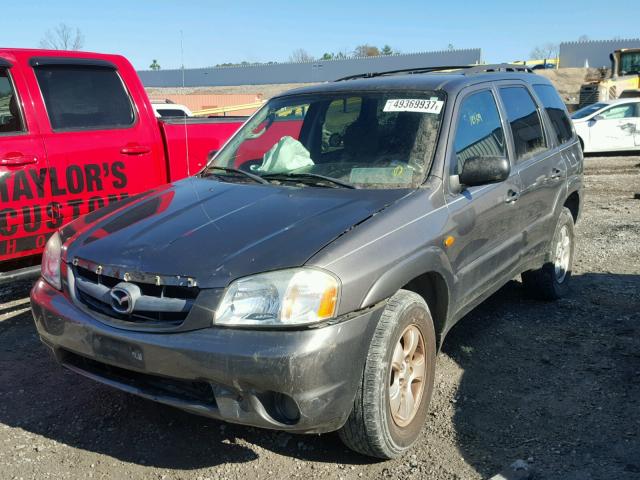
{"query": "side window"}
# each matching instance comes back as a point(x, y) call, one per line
point(556, 110)
point(619, 111)
point(80, 98)
point(479, 131)
point(524, 121)
point(340, 115)
point(10, 117)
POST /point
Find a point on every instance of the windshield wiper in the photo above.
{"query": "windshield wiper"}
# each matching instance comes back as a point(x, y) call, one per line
point(252, 176)
point(288, 176)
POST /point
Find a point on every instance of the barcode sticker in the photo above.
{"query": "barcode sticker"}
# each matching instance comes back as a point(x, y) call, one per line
point(419, 105)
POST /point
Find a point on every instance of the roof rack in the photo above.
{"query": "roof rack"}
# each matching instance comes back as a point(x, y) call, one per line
point(465, 70)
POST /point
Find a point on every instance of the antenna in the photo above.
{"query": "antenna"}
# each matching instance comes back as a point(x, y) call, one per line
point(186, 130)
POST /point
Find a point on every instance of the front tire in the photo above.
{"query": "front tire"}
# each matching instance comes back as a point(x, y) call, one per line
point(551, 282)
point(393, 397)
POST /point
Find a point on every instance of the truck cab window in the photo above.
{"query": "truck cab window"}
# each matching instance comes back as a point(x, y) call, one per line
point(80, 97)
point(10, 118)
point(479, 131)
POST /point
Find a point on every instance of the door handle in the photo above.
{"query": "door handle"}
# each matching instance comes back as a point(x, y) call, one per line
point(16, 159)
point(133, 149)
point(555, 174)
point(512, 196)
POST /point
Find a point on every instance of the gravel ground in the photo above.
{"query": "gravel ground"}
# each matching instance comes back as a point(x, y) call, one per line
point(554, 384)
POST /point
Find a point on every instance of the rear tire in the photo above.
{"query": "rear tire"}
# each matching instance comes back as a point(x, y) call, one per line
point(551, 282)
point(393, 397)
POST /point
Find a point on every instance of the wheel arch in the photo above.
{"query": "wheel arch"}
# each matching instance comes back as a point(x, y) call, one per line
point(573, 204)
point(428, 274)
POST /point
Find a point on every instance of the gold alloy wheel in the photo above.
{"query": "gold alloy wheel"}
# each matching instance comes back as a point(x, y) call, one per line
point(407, 376)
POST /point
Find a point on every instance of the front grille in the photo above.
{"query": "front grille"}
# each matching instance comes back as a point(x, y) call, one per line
point(183, 390)
point(167, 305)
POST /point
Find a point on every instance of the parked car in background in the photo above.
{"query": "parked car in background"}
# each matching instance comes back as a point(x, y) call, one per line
point(77, 133)
point(609, 126)
point(171, 110)
point(304, 284)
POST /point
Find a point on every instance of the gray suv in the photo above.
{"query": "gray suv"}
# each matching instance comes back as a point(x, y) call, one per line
point(306, 278)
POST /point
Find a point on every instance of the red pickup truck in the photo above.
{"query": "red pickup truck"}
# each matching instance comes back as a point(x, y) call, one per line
point(78, 132)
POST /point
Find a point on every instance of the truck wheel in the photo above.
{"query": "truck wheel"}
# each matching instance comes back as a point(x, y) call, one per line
point(393, 397)
point(552, 280)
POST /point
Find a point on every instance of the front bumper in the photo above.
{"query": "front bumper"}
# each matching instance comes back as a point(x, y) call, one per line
point(302, 381)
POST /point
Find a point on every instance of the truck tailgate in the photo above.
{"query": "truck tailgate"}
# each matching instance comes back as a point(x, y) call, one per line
point(189, 141)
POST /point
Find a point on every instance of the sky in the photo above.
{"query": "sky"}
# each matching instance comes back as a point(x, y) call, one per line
point(216, 32)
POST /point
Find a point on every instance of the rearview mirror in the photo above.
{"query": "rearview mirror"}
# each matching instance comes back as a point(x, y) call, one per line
point(484, 170)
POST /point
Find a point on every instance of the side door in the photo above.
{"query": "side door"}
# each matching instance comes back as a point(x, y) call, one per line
point(101, 148)
point(540, 165)
point(483, 220)
point(24, 193)
point(613, 128)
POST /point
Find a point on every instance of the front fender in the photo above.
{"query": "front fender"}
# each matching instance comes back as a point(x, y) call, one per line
point(401, 273)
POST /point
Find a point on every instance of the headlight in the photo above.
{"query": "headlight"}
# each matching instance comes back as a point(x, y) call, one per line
point(51, 261)
point(288, 297)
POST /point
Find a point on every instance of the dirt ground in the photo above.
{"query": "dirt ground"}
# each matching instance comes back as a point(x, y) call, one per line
point(554, 384)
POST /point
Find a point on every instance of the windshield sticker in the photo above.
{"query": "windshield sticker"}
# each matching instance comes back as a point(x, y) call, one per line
point(419, 105)
point(381, 175)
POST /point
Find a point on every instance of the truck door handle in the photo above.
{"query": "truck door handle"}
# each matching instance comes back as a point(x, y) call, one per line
point(555, 173)
point(512, 196)
point(134, 149)
point(15, 159)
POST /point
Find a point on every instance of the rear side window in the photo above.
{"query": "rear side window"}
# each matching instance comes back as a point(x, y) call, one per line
point(524, 122)
point(556, 110)
point(80, 97)
point(479, 132)
point(10, 118)
point(171, 112)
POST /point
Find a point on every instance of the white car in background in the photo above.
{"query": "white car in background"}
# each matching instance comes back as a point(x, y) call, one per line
point(171, 110)
point(609, 126)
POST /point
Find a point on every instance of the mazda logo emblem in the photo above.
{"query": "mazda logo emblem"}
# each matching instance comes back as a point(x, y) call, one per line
point(123, 297)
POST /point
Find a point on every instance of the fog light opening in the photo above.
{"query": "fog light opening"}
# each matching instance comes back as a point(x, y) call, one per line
point(286, 408)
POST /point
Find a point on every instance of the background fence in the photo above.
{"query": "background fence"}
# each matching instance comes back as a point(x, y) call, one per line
point(575, 54)
point(306, 72)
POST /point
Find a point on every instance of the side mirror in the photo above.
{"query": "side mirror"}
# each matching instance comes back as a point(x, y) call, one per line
point(484, 170)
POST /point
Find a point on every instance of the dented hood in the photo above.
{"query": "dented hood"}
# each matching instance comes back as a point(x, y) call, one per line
point(217, 232)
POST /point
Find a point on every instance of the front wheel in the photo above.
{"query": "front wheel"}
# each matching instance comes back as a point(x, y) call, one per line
point(551, 282)
point(393, 397)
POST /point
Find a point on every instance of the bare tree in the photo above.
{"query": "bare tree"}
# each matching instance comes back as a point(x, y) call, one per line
point(300, 55)
point(63, 37)
point(366, 50)
point(583, 38)
point(541, 52)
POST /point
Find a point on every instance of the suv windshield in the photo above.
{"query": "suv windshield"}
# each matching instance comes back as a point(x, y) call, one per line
point(363, 140)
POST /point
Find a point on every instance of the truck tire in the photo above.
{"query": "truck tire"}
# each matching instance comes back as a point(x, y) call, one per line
point(393, 396)
point(551, 282)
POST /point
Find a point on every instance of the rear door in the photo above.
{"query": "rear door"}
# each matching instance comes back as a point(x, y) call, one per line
point(101, 148)
point(540, 165)
point(484, 220)
point(24, 193)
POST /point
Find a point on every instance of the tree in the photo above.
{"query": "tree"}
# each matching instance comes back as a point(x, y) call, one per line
point(386, 50)
point(583, 38)
point(366, 50)
point(541, 52)
point(63, 37)
point(300, 55)
point(327, 56)
point(451, 47)
point(154, 65)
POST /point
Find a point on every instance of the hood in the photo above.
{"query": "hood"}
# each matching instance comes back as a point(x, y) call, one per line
point(216, 232)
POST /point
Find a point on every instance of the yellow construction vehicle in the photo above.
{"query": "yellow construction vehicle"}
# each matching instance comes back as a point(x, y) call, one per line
point(623, 82)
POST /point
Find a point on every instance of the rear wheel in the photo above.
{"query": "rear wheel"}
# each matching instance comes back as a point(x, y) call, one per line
point(552, 280)
point(393, 397)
